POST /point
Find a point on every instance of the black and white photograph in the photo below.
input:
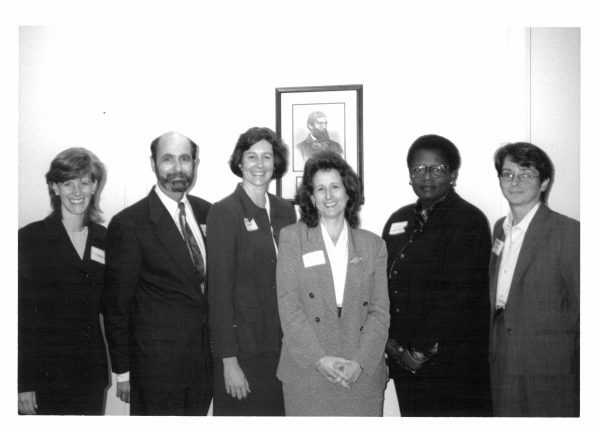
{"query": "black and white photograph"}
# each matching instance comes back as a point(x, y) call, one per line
point(316, 119)
point(308, 208)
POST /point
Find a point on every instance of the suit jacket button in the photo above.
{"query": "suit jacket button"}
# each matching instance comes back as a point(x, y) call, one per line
point(311, 295)
point(365, 303)
point(317, 319)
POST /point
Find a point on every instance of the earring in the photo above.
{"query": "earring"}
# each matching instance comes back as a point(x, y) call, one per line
point(452, 183)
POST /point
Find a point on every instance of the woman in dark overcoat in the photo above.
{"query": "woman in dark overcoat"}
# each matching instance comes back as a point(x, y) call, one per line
point(439, 249)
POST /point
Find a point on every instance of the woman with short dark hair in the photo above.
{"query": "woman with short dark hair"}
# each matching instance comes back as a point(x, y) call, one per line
point(437, 275)
point(534, 288)
point(242, 236)
point(333, 300)
point(62, 357)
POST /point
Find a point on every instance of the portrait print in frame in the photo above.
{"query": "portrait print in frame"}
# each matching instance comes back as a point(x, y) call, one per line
point(318, 118)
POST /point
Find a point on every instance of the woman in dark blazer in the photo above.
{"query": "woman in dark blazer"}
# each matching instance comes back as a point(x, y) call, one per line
point(437, 275)
point(242, 236)
point(333, 299)
point(62, 357)
point(534, 293)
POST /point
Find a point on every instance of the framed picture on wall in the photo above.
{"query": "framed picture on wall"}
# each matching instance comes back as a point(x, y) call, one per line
point(318, 118)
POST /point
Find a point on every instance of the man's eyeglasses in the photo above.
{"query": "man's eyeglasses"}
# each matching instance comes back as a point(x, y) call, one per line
point(436, 170)
point(523, 177)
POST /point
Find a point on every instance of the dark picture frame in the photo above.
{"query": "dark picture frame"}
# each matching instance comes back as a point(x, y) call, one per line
point(299, 109)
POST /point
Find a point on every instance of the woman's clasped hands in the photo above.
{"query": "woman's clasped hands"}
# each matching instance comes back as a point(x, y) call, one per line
point(339, 370)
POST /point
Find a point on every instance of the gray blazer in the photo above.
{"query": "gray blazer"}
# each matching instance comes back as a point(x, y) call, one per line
point(541, 328)
point(308, 311)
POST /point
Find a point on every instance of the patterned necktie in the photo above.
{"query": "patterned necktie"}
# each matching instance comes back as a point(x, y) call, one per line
point(192, 245)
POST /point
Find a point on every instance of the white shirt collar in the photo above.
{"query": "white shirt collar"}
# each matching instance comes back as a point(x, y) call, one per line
point(170, 204)
point(523, 224)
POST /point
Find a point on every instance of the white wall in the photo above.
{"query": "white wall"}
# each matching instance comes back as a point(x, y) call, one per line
point(555, 93)
point(113, 88)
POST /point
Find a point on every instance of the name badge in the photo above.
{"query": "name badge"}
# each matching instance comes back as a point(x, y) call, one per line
point(398, 228)
point(97, 255)
point(497, 249)
point(203, 228)
point(313, 258)
point(250, 225)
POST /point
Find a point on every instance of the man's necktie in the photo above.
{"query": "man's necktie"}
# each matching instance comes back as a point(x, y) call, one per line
point(192, 245)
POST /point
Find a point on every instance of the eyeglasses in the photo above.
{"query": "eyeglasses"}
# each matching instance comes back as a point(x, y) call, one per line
point(436, 170)
point(524, 177)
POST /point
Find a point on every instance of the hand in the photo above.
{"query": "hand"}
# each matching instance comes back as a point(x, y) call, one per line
point(351, 369)
point(236, 384)
point(392, 348)
point(411, 362)
point(27, 402)
point(327, 367)
point(123, 391)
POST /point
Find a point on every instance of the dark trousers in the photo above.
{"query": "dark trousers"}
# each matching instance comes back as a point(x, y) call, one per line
point(72, 400)
point(193, 400)
point(431, 396)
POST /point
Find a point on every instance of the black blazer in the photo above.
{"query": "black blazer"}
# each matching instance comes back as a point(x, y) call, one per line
point(241, 274)
point(155, 312)
point(439, 285)
point(60, 339)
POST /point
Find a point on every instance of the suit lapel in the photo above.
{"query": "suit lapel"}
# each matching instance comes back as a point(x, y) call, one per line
point(531, 243)
point(169, 236)
point(352, 271)
point(495, 264)
point(60, 241)
point(200, 219)
point(278, 220)
point(321, 274)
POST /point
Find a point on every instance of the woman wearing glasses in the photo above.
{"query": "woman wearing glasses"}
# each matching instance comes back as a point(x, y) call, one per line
point(534, 285)
point(438, 254)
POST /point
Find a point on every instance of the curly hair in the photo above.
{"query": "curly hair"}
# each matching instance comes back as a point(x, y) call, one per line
point(323, 161)
point(74, 163)
point(252, 136)
point(526, 154)
point(437, 143)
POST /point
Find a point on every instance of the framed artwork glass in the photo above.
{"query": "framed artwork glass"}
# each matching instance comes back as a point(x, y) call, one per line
point(317, 118)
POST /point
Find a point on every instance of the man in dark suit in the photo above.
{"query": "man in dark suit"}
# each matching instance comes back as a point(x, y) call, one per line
point(318, 138)
point(155, 304)
point(534, 293)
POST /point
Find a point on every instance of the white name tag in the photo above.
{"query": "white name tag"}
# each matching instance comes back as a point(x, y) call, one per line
point(313, 258)
point(250, 225)
point(97, 255)
point(398, 228)
point(497, 249)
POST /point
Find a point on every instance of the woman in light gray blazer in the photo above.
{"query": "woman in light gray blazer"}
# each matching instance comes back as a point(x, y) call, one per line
point(333, 299)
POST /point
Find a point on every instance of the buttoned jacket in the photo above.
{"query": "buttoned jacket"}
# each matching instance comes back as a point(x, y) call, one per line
point(241, 273)
point(541, 316)
point(308, 309)
point(154, 307)
point(60, 339)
